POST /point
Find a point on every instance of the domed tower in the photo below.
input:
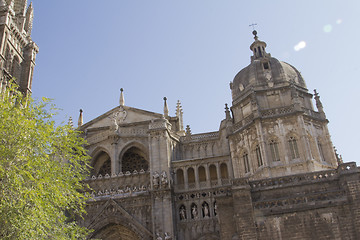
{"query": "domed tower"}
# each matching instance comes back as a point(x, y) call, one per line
point(276, 130)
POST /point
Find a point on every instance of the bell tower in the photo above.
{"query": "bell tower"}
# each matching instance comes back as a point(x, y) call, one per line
point(17, 50)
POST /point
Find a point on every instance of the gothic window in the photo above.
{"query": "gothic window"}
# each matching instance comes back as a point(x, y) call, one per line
point(102, 164)
point(294, 151)
point(274, 149)
point(246, 162)
point(180, 176)
point(224, 171)
point(15, 69)
point(258, 155)
point(213, 173)
point(322, 158)
point(182, 212)
point(134, 159)
point(202, 174)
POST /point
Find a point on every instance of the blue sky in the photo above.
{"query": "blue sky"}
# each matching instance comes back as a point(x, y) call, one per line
point(191, 50)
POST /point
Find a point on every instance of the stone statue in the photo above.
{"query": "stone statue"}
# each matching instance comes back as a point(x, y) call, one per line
point(215, 209)
point(206, 210)
point(194, 211)
point(114, 125)
point(158, 237)
point(167, 236)
point(182, 213)
point(156, 179)
point(164, 179)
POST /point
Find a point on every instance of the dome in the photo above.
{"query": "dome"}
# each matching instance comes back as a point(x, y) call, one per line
point(265, 71)
point(261, 73)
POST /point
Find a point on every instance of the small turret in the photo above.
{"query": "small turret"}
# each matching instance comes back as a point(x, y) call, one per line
point(258, 48)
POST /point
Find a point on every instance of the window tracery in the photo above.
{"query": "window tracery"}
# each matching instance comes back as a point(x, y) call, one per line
point(294, 151)
point(134, 159)
point(274, 149)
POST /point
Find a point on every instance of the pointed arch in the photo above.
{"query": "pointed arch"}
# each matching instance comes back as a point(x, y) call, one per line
point(117, 219)
point(134, 156)
point(101, 162)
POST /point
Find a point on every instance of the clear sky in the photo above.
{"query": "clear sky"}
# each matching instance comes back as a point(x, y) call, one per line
point(190, 50)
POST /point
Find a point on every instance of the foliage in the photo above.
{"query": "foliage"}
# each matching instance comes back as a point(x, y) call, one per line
point(41, 168)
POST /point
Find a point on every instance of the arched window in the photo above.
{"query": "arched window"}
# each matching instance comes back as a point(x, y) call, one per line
point(180, 177)
point(191, 175)
point(224, 171)
point(258, 155)
point(202, 174)
point(213, 173)
point(245, 157)
point(274, 149)
point(15, 69)
point(134, 159)
point(102, 164)
point(294, 151)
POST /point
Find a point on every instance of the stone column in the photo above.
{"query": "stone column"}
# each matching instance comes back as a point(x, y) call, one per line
point(196, 177)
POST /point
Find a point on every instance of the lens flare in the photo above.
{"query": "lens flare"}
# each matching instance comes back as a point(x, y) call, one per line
point(300, 46)
point(327, 28)
point(339, 21)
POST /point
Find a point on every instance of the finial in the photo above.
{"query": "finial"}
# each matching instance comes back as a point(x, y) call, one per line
point(227, 112)
point(178, 108)
point(318, 102)
point(338, 158)
point(80, 121)
point(122, 99)
point(166, 109)
point(254, 32)
point(188, 132)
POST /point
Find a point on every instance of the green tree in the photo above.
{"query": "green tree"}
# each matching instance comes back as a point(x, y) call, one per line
point(41, 168)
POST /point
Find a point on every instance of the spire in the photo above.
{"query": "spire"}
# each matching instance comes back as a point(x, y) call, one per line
point(80, 121)
point(258, 48)
point(29, 17)
point(179, 114)
point(166, 109)
point(122, 99)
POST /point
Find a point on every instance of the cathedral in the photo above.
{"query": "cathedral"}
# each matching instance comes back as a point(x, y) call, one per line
point(269, 172)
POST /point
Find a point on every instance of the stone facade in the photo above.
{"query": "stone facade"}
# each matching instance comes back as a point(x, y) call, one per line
point(269, 172)
point(17, 50)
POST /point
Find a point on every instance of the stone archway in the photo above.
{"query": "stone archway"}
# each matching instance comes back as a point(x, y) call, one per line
point(116, 232)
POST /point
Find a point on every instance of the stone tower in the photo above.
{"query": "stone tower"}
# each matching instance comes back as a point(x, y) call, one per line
point(17, 50)
point(275, 130)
